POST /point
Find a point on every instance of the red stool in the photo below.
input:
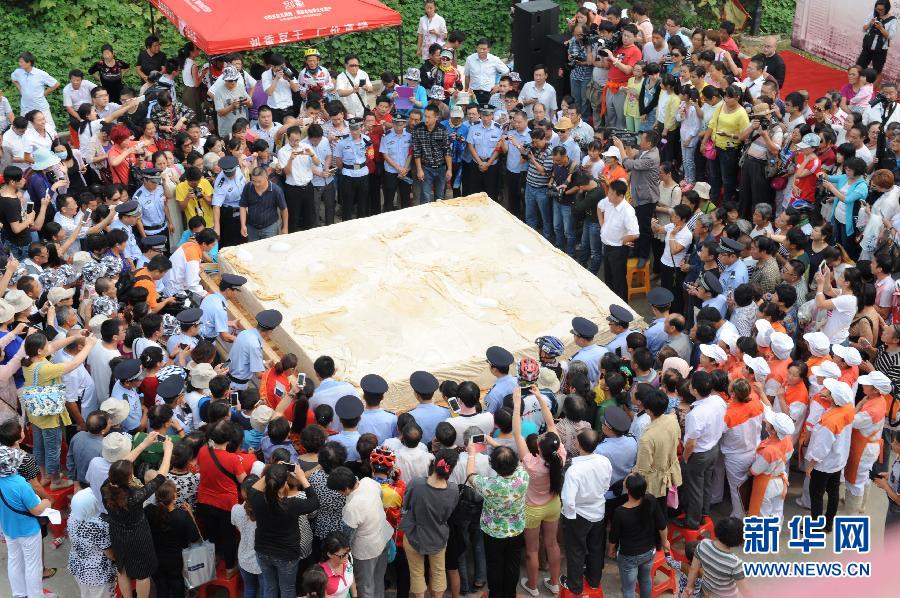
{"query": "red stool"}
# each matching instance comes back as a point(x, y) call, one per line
point(586, 592)
point(678, 533)
point(133, 588)
point(59, 499)
point(232, 586)
point(669, 584)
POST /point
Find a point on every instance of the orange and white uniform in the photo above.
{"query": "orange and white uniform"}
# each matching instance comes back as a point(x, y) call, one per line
point(185, 271)
point(777, 375)
point(769, 471)
point(743, 426)
point(794, 403)
point(865, 444)
point(850, 374)
point(829, 443)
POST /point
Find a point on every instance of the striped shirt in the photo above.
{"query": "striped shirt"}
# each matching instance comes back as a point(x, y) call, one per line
point(720, 570)
point(535, 178)
point(889, 365)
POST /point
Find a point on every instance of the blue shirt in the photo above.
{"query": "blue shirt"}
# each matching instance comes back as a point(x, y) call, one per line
point(268, 447)
point(9, 351)
point(428, 416)
point(513, 155)
point(573, 150)
point(323, 151)
point(622, 454)
point(20, 495)
point(132, 251)
point(227, 190)
point(348, 441)
point(215, 317)
point(484, 139)
point(352, 153)
point(459, 149)
point(134, 405)
point(590, 356)
point(252, 438)
point(379, 422)
point(246, 356)
point(504, 385)
point(180, 339)
point(656, 336)
point(397, 147)
point(733, 276)
point(720, 302)
point(328, 393)
point(620, 343)
point(153, 206)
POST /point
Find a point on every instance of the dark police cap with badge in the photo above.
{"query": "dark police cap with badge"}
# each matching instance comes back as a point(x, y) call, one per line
point(373, 384)
point(727, 245)
point(424, 383)
point(584, 328)
point(348, 407)
point(710, 282)
point(660, 297)
point(269, 319)
point(129, 208)
point(170, 388)
point(190, 316)
point(619, 315)
point(498, 356)
point(231, 281)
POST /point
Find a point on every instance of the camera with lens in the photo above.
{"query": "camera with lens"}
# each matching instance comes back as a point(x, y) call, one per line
point(527, 150)
point(627, 138)
point(555, 193)
point(764, 122)
point(51, 175)
point(878, 99)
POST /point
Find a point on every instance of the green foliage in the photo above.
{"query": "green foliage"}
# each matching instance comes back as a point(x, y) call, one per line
point(778, 16)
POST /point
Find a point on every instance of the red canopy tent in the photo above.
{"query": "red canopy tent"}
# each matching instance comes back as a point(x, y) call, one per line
point(222, 26)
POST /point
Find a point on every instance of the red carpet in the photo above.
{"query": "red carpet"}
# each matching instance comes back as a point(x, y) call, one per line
point(803, 73)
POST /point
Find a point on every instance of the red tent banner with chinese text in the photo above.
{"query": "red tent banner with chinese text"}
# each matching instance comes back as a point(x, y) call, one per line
point(221, 26)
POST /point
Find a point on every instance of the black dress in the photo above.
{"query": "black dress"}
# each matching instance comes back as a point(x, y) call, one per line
point(129, 532)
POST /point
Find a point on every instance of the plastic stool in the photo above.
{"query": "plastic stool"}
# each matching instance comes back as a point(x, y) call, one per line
point(678, 533)
point(586, 591)
point(232, 586)
point(638, 278)
point(59, 499)
point(669, 584)
point(133, 588)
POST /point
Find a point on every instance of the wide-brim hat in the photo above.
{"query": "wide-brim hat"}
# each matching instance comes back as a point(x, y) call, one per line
point(18, 300)
point(201, 374)
point(44, 159)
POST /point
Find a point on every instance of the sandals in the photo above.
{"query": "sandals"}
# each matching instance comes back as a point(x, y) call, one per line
point(45, 575)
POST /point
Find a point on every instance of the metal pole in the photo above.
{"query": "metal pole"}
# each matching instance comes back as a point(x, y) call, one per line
point(400, 48)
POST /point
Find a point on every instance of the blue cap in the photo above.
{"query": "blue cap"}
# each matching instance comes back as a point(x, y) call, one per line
point(727, 245)
point(269, 319)
point(616, 418)
point(348, 407)
point(231, 281)
point(228, 163)
point(128, 208)
point(170, 388)
point(157, 242)
point(373, 384)
point(191, 315)
point(127, 370)
point(619, 315)
point(710, 282)
point(660, 297)
point(423, 383)
point(499, 356)
point(584, 328)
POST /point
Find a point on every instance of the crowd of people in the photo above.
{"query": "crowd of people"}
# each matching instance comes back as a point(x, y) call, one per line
point(769, 217)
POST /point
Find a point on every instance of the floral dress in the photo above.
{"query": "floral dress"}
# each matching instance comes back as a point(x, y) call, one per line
point(503, 515)
point(87, 562)
point(168, 116)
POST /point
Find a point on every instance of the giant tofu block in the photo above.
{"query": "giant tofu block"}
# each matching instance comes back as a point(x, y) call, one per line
point(425, 288)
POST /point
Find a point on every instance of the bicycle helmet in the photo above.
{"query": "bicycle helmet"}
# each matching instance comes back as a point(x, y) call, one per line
point(529, 370)
point(382, 459)
point(550, 345)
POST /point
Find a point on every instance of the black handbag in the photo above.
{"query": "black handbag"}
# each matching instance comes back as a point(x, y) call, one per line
point(470, 504)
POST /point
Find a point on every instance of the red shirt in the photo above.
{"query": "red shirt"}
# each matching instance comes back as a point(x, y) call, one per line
point(729, 45)
point(216, 489)
point(119, 173)
point(627, 55)
point(806, 185)
point(148, 391)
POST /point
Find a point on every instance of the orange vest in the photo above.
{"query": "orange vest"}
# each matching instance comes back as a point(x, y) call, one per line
point(192, 251)
point(838, 418)
point(850, 375)
point(738, 413)
point(796, 392)
point(778, 370)
point(858, 442)
point(770, 449)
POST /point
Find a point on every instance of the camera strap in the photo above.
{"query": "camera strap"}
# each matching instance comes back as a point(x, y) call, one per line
point(356, 93)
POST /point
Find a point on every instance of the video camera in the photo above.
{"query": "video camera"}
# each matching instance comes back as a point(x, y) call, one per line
point(592, 38)
point(628, 138)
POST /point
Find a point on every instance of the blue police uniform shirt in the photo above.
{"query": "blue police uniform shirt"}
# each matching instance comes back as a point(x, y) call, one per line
point(733, 276)
point(227, 190)
point(656, 336)
point(215, 316)
point(620, 343)
point(352, 153)
point(153, 207)
point(348, 440)
point(134, 405)
point(504, 385)
point(397, 147)
point(513, 156)
point(20, 495)
point(622, 455)
point(573, 150)
point(180, 339)
point(590, 356)
point(328, 392)
point(484, 139)
point(720, 302)
point(428, 416)
point(246, 357)
point(132, 251)
point(379, 422)
point(323, 151)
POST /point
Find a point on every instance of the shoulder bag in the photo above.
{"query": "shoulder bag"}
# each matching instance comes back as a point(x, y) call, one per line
point(199, 561)
point(468, 509)
point(42, 521)
point(709, 146)
point(40, 401)
point(228, 474)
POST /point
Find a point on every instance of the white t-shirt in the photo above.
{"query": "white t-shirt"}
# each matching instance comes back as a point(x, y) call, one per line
point(436, 23)
point(838, 324)
point(364, 512)
point(73, 98)
point(352, 102)
point(187, 73)
point(683, 238)
point(301, 170)
point(866, 154)
point(596, 167)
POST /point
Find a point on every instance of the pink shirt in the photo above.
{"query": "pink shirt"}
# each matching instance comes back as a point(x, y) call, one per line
point(729, 45)
point(538, 492)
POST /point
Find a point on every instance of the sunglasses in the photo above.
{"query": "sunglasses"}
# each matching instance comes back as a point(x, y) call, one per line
point(445, 58)
point(342, 555)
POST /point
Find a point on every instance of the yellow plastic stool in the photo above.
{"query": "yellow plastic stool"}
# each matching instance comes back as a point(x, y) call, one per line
point(638, 278)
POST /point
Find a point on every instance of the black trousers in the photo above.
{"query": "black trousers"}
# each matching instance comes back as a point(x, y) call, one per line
point(467, 177)
point(876, 57)
point(216, 524)
point(696, 489)
point(301, 207)
point(585, 545)
point(644, 215)
point(754, 187)
point(482, 96)
point(503, 557)
point(278, 115)
point(515, 193)
point(354, 194)
point(487, 181)
point(230, 225)
point(375, 191)
point(393, 186)
point(615, 268)
point(672, 279)
point(169, 584)
point(821, 483)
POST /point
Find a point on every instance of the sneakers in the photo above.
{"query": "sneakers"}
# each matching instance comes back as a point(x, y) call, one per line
point(60, 483)
point(533, 591)
point(553, 589)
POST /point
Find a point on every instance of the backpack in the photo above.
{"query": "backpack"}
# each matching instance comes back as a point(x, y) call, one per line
point(468, 509)
point(126, 283)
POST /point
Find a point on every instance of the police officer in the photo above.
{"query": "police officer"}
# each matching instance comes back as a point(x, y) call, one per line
point(660, 300)
point(348, 410)
point(735, 273)
point(171, 391)
point(484, 147)
point(395, 147)
point(619, 318)
point(152, 246)
point(499, 360)
point(129, 214)
point(427, 414)
point(189, 322)
point(709, 291)
point(584, 332)
point(376, 420)
point(128, 378)
point(350, 159)
point(226, 202)
point(247, 353)
point(152, 200)
point(516, 166)
point(214, 322)
point(619, 447)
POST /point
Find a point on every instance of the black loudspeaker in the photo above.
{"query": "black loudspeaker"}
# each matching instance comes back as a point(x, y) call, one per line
point(532, 23)
point(554, 57)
